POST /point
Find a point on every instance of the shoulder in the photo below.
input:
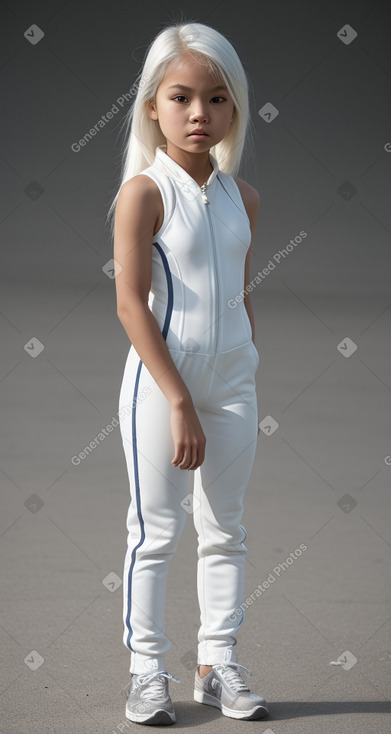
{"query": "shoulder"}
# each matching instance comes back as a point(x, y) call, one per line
point(251, 200)
point(139, 198)
point(249, 195)
point(139, 187)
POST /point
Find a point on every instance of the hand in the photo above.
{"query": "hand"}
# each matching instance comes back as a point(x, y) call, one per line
point(189, 438)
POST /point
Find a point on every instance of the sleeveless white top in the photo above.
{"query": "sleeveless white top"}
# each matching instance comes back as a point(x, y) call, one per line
point(198, 259)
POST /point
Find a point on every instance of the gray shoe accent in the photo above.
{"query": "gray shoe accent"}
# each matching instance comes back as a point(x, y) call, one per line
point(225, 689)
point(149, 701)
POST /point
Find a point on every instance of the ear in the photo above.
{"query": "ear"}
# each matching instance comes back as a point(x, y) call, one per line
point(152, 111)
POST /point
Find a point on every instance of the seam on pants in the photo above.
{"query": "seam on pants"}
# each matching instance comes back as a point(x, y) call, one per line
point(166, 324)
point(202, 495)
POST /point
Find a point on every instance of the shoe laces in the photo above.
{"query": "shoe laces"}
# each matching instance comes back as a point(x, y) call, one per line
point(232, 676)
point(156, 688)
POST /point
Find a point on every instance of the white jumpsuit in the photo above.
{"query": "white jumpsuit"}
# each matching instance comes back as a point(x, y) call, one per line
point(198, 259)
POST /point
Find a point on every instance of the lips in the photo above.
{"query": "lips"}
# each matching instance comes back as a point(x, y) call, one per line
point(199, 133)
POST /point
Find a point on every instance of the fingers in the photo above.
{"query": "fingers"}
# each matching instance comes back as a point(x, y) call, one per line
point(192, 455)
point(189, 456)
point(185, 457)
point(189, 438)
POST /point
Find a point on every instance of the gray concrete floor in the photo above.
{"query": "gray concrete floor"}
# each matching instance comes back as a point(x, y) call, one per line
point(320, 479)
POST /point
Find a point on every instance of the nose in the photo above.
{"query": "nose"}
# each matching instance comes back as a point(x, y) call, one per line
point(198, 115)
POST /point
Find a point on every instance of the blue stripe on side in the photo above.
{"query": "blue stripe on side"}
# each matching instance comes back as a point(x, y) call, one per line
point(170, 301)
point(170, 291)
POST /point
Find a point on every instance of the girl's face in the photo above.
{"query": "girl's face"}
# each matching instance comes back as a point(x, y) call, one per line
point(187, 99)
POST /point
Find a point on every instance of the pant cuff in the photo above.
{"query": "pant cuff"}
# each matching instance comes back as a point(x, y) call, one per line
point(218, 655)
point(146, 664)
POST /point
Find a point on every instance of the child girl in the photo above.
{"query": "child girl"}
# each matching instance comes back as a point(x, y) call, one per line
point(182, 235)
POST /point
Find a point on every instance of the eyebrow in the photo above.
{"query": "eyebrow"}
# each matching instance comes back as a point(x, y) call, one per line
point(189, 89)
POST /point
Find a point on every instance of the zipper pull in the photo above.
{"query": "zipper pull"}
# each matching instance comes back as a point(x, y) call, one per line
point(203, 194)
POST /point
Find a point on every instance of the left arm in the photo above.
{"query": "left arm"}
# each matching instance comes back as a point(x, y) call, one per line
point(251, 201)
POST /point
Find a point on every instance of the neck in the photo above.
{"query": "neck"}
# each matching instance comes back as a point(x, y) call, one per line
point(197, 165)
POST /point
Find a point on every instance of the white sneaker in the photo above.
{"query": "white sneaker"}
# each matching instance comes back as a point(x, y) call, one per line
point(225, 689)
point(149, 701)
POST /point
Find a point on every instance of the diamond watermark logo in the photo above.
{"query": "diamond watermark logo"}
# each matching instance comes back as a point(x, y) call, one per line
point(346, 660)
point(112, 268)
point(268, 112)
point(34, 34)
point(346, 34)
point(34, 660)
point(190, 503)
point(34, 503)
point(268, 425)
point(347, 503)
point(347, 347)
point(112, 581)
point(34, 347)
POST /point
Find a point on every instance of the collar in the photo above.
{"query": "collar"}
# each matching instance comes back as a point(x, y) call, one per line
point(175, 171)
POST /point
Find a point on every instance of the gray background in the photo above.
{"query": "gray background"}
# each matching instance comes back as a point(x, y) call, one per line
point(322, 165)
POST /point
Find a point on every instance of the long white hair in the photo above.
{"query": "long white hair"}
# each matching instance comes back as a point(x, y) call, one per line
point(210, 47)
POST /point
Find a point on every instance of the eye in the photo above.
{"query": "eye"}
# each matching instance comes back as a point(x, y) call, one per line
point(182, 96)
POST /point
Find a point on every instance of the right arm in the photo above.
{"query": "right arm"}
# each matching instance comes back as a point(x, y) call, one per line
point(136, 214)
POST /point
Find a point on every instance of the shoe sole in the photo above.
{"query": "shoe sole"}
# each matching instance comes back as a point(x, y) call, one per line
point(160, 717)
point(258, 712)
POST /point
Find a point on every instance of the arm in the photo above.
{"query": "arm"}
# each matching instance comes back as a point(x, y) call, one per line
point(247, 301)
point(135, 218)
point(251, 200)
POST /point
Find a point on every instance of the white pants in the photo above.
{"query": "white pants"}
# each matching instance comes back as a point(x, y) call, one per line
point(223, 390)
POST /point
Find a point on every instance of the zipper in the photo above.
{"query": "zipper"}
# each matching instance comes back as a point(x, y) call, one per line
point(203, 193)
point(217, 291)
